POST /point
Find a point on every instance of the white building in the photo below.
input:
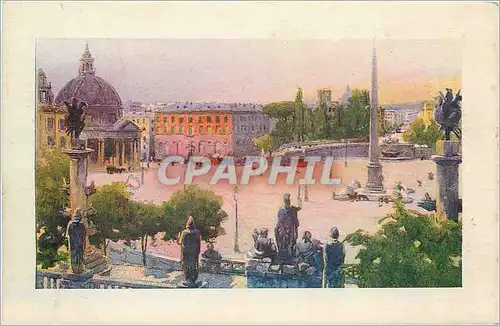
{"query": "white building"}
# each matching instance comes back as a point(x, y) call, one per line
point(402, 114)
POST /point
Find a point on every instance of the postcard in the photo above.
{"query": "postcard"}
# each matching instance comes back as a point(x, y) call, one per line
point(199, 167)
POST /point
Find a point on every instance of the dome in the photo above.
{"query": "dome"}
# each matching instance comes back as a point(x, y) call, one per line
point(91, 89)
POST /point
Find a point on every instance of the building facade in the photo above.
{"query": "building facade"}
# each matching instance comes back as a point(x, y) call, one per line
point(427, 113)
point(50, 118)
point(114, 140)
point(402, 114)
point(206, 129)
point(146, 123)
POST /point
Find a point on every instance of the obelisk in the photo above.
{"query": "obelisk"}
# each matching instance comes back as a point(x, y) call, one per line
point(374, 184)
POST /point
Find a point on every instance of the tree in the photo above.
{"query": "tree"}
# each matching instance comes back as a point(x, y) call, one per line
point(300, 114)
point(284, 112)
point(51, 202)
point(265, 143)
point(422, 134)
point(205, 207)
point(112, 204)
point(356, 119)
point(148, 220)
point(410, 250)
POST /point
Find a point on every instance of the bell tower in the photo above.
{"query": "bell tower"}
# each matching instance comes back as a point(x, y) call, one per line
point(86, 63)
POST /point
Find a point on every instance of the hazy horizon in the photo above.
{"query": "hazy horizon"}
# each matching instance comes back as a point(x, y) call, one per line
point(255, 70)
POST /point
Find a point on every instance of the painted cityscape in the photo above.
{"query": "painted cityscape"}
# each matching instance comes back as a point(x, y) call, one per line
point(177, 164)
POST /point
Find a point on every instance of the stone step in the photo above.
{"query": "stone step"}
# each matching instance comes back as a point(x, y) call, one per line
point(97, 262)
point(99, 269)
point(94, 256)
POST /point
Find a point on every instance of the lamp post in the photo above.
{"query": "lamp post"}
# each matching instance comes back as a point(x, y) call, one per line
point(235, 197)
point(306, 193)
point(143, 162)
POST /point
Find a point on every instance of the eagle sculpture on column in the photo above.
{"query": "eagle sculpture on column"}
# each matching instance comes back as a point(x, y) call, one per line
point(75, 118)
point(448, 113)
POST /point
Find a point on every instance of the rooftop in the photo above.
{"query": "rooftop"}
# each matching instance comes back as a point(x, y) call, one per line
point(405, 106)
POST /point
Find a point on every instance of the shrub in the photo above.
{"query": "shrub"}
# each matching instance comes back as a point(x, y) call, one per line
point(410, 250)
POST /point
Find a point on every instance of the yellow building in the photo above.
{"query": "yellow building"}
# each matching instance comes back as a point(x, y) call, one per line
point(50, 125)
point(427, 113)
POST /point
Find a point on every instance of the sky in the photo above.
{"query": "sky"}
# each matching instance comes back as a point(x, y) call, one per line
point(263, 71)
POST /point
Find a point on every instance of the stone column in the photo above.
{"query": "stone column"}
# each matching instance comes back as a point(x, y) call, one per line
point(116, 157)
point(78, 176)
point(374, 184)
point(447, 202)
point(122, 145)
point(132, 150)
point(102, 155)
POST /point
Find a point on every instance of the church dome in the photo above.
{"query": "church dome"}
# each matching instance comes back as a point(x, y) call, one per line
point(91, 89)
point(104, 105)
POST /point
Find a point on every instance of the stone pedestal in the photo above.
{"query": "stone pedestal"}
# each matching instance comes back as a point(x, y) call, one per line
point(447, 202)
point(374, 182)
point(78, 181)
point(78, 170)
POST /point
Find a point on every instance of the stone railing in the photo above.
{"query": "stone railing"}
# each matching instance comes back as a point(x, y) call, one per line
point(225, 266)
point(58, 280)
point(129, 256)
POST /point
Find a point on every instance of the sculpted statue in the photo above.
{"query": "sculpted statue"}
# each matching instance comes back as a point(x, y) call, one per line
point(75, 118)
point(286, 231)
point(264, 247)
point(190, 241)
point(77, 236)
point(211, 253)
point(309, 251)
point(333, 257)
point(448, 113)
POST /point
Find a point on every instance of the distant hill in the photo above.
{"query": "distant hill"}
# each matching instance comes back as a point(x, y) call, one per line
point(404, 90)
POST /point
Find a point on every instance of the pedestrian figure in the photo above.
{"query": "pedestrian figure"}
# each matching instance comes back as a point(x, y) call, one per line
point(333, 259)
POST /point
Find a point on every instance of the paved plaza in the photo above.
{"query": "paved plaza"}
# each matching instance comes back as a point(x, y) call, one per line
point(258, 202)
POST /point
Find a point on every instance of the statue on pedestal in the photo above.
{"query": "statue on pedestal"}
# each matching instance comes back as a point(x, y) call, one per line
point(77, 237)
point(190, 241)
point(309, 251)
point(286, 231)
point(333, 257)
point(211, 254)
point(263, 247)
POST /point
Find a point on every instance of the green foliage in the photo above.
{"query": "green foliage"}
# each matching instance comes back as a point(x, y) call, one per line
point(202, 204)
point(264, 142)
point(422, 134)
point(284, 112)
point(51, 201)
point(410, 250)
point(356, 120)
point(112, 204)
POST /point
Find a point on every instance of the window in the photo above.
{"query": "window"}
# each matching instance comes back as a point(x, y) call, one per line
point(190, 119)
point(225, 129)
point(209, 119)
point(200, 120)
point(61, 124)
point(217, 119)
point(50, 141)
point(173, 120)
point(190, 130)
point(226, 119)
point(217, 130)
point(181, 129)
point(50, 123)
point(181, 120)
point(200, 129)
point(172, 129)
point(62, 142)
point(209, 130)
point(165, 120)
